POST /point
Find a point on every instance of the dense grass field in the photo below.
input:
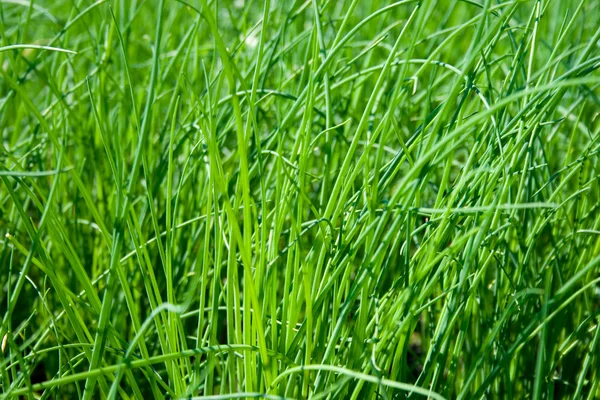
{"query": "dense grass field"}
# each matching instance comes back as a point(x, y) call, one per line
point(353, 199)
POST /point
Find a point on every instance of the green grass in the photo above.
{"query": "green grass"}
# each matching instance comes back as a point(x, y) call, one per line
point(300, 199)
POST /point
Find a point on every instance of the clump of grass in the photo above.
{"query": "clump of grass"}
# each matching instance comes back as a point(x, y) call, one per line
point(353, 199)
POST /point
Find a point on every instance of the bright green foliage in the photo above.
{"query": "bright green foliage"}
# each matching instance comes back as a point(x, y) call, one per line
point(351, 199)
